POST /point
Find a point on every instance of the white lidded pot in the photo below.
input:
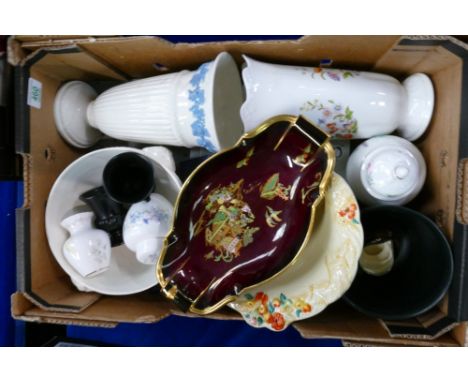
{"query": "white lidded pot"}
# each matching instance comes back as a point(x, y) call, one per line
point(386, 170)
point(346, 104)
point(87, 250)
point(146, 225)
point(186, 108)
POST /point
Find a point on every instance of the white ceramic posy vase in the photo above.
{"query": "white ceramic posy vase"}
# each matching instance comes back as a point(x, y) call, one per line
point(187, 108)
point(145, 227)
point(88, 249)
point(344, 103)
point(386, 170)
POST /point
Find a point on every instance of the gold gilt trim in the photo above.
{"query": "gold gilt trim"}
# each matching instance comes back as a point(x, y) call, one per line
point(252, 134)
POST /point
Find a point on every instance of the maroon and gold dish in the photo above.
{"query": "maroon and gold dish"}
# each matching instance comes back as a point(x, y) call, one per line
point(245, 214)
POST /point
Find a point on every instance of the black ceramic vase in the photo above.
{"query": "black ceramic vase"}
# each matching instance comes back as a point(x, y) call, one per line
point(109, 215)
point(128, 178)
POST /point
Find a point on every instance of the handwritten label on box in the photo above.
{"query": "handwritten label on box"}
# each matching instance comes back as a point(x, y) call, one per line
point(34, 93)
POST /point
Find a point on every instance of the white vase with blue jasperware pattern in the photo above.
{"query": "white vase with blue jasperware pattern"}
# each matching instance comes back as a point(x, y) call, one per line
point(145, 227)
point(187, 108)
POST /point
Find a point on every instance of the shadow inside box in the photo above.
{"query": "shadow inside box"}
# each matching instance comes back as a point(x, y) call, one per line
point(194, 331)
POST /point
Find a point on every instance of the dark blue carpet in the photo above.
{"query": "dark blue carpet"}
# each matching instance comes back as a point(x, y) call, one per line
point(10, 197)
point(183, 331)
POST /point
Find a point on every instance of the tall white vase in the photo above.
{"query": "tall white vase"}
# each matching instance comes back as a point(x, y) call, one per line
point(344, 103)
point(187, 108)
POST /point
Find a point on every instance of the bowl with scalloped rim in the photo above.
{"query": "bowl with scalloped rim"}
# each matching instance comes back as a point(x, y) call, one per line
point(320, 276)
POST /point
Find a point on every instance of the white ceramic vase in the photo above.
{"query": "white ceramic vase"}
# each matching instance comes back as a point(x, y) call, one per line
point(346, 104)
point(87, 250)
point(386, 170)
point(187, 108)
point(145, 227)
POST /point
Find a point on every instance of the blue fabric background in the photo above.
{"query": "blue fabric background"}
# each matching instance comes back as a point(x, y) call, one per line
point(10, 198)
point(183, 331)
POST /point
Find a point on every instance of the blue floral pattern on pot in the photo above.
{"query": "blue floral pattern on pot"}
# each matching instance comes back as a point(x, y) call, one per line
point(148, 216)
point(197, 96)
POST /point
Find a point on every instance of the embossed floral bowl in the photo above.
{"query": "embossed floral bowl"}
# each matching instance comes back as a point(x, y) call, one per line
point(245, 214)
point(126, 275)
point(320, 276)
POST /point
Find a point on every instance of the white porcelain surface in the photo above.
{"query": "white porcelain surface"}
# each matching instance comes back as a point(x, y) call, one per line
point(145, 227)
point(70, 107)
point(87, 250)
point(161, 155)
point(320, 276)
point(187, 108)
point(126, 274)
point(386, 170)
point(345, 103)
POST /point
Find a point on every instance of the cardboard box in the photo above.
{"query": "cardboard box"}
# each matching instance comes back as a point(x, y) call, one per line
point(45, 292)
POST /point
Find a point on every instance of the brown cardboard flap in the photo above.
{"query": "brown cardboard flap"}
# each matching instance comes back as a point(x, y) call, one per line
point(63, 296)
point(76, 65)
point(347, 323)
point(47, 39)
point(460, 334)
point(440, 150)
point(137, 56)
point(350, 343)
point(45, 156)
point(60, 302)
point(342, 322)
point(15, 52)
point(66, 321)
point(26, 180)
point(404, 59)
point(19, 304)
point(429, 326)
point(462, 192)
point(139, 308)
point(49, 156)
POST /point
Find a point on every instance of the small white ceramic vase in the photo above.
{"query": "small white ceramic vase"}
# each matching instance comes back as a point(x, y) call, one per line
point(145, 227)
point(346, 104)
point(187, 108)
point(386, 170)
point(87, 250)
